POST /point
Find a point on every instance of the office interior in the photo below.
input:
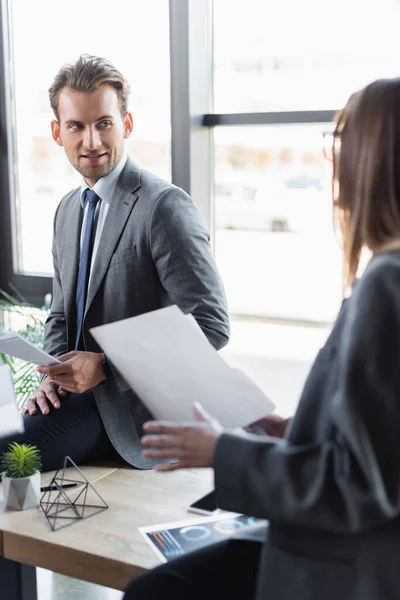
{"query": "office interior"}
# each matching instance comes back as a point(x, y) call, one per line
point(231, 101)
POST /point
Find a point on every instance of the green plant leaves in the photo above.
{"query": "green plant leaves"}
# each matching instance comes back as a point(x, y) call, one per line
point(30, 325)
point(20, 460)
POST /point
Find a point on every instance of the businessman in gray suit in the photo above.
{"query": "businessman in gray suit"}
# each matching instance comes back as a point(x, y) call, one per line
point(125, 242)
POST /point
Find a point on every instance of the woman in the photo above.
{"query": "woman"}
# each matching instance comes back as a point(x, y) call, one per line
point(331, 488)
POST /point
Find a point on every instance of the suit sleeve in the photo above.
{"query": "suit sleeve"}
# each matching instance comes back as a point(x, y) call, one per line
point(350, 482)
point(182, 255)
point(55, 327)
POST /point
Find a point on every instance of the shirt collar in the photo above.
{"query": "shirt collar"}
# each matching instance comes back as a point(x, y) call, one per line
point(105, 186)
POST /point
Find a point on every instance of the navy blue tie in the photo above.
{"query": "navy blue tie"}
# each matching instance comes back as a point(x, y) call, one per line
point(84, 265)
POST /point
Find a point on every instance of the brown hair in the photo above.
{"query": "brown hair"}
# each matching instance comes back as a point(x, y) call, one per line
point(87, 74)
point(366, 172)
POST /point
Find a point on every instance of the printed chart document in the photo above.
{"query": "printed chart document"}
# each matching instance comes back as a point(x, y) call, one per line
point(10, 419)
point(170, 540)
point(170, 365)
point(15, 345)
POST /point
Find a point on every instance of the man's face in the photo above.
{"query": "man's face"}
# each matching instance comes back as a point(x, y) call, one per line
point(91, 130)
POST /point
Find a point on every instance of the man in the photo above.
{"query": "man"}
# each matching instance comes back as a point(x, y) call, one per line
point(126, 242)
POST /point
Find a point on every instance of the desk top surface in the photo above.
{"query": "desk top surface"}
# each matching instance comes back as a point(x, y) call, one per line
point(107, 548)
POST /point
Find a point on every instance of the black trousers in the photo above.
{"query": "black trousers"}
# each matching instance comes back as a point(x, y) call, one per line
point(75, 430)
point(223, 571)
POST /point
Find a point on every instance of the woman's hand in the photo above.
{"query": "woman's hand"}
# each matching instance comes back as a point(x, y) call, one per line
point(188, 444)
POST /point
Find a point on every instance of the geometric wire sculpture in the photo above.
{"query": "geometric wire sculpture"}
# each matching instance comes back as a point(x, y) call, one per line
point(67, 500)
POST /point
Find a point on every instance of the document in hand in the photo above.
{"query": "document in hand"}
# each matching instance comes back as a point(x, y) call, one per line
point(170, 365)
point(10, 419)
point(15, 345)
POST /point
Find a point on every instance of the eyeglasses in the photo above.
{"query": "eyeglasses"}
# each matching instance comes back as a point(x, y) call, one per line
point(331, 144)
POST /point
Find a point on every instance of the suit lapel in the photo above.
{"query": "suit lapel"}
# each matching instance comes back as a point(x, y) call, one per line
point(121, 205)
point(71, 252)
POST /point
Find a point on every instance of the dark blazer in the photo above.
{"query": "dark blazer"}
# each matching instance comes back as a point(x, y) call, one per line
point(331, 489)
point(154, 251)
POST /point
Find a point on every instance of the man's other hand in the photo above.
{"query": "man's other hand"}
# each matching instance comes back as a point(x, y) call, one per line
point(48, 391)
point(272, 425)
point(78, 371)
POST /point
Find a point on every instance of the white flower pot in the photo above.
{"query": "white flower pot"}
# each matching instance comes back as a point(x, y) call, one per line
point(22, 493)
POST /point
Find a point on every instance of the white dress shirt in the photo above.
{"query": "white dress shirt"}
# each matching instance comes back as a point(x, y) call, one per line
point(104, 188)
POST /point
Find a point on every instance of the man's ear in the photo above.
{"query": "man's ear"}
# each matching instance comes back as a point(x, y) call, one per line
point(55, 131)
point(128, 125)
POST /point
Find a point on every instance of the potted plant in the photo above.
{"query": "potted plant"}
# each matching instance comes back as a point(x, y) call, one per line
point(20, 466)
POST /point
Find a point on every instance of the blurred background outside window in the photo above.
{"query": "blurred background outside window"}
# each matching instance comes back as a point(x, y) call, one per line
point(274, 240)
point(44, 38)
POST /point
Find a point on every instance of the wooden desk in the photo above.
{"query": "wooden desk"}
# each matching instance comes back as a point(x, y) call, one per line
point(107, 548)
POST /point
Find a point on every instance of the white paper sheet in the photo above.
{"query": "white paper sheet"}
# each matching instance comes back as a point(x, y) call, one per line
point(15, 345)
point(10, 419)
point(171, 365)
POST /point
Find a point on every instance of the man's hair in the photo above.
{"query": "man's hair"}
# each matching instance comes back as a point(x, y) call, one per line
point(366, 172)
point(87, 74)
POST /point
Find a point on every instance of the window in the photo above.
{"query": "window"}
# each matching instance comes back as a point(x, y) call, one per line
point(274, 239)
point(41, 41)
point(309, 55)
point(289, 66)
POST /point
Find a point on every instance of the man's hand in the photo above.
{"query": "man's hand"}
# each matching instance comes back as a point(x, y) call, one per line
point(78, 371)
point(272, 425)
point(190, 445)
point(48, 391)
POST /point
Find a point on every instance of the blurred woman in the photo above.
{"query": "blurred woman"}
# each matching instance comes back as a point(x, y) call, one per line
point(331, 488)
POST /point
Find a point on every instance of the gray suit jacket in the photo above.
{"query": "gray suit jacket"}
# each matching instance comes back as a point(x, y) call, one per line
point(154, 251)
point(331, 489)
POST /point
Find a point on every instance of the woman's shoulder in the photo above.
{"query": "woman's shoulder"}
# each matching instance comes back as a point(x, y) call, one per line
point(385, 265)
point(381, 279)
